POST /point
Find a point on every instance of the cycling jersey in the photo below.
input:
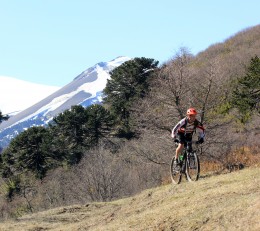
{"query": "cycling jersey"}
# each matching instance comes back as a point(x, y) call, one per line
point(188, 128)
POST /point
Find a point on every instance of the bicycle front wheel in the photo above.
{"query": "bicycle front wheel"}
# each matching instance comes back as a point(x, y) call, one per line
point(175, 172)
point(192, 167)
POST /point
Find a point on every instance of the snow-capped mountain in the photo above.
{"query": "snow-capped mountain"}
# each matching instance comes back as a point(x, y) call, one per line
point(85, 89)
point(16, 95)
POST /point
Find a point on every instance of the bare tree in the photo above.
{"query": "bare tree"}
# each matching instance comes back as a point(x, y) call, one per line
point(183, 82)
point(103, 175)
point(169, 94)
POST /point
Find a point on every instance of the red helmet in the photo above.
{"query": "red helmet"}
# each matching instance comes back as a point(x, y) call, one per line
point(191, 111)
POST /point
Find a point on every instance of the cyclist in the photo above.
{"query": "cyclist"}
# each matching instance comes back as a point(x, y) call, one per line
point(184, 130)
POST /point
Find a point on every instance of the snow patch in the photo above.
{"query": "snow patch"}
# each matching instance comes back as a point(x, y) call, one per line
point(17, 95)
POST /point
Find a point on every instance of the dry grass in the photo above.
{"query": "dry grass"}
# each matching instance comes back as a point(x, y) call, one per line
point(224, 202)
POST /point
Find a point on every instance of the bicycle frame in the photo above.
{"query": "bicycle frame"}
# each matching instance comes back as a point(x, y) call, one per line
point(189, 166)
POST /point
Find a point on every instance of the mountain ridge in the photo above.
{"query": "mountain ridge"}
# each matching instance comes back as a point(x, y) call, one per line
point(85, 89)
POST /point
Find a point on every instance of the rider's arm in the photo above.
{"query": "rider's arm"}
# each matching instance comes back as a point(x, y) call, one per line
point(201, 131)
point(177, 126)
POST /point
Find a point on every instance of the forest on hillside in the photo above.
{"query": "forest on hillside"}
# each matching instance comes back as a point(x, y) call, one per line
point(109, 151)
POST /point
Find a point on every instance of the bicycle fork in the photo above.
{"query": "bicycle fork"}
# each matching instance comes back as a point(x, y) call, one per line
point(183, 165)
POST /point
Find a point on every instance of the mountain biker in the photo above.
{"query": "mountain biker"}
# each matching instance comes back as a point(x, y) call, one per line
point(184, 130)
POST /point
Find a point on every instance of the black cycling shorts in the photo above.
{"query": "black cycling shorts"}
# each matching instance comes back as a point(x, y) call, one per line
point(182, 137)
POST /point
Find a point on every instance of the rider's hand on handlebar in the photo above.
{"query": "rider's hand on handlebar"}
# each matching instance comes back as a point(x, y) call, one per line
point(200, 141)
point(176, 140)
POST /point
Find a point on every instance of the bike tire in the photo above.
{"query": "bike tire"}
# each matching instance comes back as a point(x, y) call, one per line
point(175, 172)
point(192, 167)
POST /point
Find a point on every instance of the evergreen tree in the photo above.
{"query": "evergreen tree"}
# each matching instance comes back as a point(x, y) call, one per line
point(6, 164)
point(30, 151)
point(99, 124)
point(3, 117)
point(79, 129)
point(129, 82)
point(69, 133)
point(246, 94)
point(70, 124)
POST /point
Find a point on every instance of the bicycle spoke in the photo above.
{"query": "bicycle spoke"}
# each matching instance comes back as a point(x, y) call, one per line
point(192, 167)
point(175, 173)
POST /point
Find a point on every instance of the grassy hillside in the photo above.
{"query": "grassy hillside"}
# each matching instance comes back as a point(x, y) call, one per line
point(224, 202)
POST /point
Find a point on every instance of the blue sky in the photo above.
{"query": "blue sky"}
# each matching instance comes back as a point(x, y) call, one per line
point(52, 41)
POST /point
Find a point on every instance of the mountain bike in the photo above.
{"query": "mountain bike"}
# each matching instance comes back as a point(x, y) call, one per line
point(189, 164)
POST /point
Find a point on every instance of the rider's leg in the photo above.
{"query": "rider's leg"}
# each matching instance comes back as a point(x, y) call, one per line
point(178, 150)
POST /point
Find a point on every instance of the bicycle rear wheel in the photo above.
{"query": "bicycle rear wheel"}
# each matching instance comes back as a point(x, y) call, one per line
point(192, 167)
point(175, 172)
